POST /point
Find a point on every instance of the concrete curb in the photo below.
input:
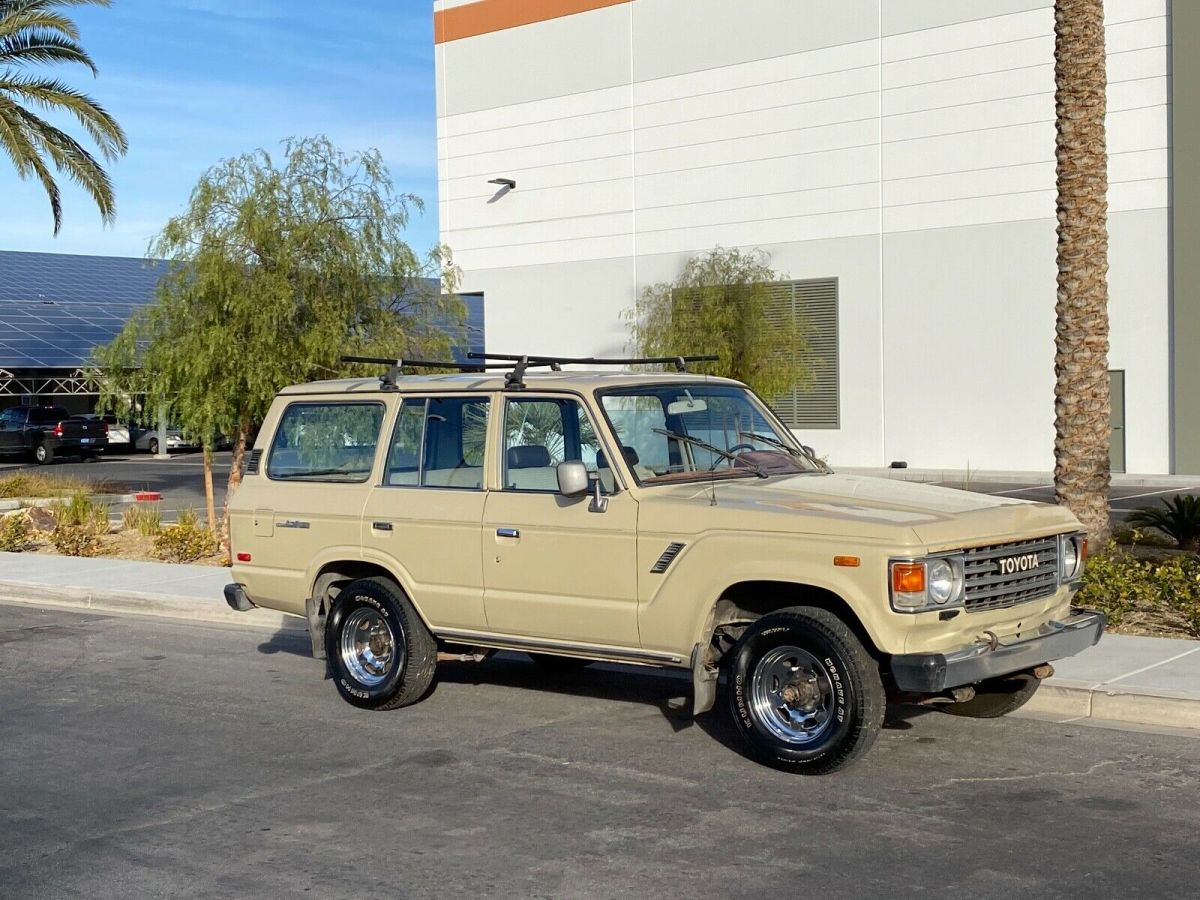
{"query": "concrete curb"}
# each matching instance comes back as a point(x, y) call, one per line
point(1074, 700)
point(132, 603)
point(993, 476)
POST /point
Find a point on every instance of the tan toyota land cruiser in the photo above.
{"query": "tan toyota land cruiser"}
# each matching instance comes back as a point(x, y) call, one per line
point(657, 519)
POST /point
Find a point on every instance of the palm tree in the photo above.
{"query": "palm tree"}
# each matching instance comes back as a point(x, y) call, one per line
point(1081, 395)
point(34, 32)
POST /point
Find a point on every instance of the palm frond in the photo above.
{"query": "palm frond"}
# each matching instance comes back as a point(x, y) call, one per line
point(54, 94)
point(12, 23)
point(70, 157)
point(34, 46)
point(1178, 517)
point(16, 142)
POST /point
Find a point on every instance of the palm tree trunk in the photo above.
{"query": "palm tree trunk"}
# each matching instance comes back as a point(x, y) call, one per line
point(1081, 396)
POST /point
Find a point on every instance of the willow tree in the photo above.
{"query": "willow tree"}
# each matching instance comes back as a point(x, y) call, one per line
point(722, 304)
point(277, 268)
point(37, 33)
point(1082, 413)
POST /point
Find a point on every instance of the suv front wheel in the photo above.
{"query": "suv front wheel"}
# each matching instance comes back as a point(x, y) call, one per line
point(804, 693)
point(380, 652)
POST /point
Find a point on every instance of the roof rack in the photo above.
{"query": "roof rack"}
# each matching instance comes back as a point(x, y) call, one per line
point(388, 380)
point(516, 378)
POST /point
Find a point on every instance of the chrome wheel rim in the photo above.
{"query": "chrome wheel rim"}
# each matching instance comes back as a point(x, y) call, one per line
point(791, 695)
point(368, 647)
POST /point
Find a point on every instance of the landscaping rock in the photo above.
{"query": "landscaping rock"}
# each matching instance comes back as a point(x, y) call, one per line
point(41, 520)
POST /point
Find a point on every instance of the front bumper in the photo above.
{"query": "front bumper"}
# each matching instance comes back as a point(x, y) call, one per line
point(929, 673)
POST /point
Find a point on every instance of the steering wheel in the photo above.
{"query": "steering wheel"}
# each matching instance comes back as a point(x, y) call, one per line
point(731, 450)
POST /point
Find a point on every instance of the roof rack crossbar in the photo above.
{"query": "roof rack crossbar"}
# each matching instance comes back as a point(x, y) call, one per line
point(680, 362)
point(388, 380)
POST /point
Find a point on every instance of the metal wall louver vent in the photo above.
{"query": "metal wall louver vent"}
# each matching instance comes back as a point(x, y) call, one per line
point(668, 557)
point(815, 303)
point(252, 462)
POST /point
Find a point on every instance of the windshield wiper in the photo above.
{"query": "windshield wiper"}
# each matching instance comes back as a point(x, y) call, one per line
point(776, 442)
point(704, 445)
point(310, 473)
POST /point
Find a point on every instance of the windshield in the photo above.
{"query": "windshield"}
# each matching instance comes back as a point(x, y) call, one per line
point(682, 432)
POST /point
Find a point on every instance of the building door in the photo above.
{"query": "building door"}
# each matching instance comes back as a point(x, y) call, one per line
point(1116, 441)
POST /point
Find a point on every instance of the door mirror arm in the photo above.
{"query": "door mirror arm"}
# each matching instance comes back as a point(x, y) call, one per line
point(599, 502)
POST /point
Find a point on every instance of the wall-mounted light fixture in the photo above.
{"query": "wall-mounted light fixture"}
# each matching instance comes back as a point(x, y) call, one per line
point(504, 183)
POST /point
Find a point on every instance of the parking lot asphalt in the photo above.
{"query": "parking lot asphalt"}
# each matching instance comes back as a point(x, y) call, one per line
point(149, 758)
point(180, 478)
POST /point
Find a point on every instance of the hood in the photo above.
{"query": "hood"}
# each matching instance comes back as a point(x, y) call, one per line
point(908, 512)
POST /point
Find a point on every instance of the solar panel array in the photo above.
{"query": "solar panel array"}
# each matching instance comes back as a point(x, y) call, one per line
point(54, 307)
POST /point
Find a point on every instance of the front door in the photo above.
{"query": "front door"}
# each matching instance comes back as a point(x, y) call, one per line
point(10, 430)
point(553, 567)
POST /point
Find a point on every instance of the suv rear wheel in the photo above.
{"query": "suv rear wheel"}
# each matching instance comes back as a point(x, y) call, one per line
point(804, 693)
point(380, 652)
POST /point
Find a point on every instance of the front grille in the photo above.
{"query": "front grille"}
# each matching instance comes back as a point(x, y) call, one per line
point(989, 586)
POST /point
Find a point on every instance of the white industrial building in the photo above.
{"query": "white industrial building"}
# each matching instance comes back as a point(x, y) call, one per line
point(894, 157)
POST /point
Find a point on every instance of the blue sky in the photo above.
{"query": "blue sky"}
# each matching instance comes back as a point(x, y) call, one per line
point(195, 81)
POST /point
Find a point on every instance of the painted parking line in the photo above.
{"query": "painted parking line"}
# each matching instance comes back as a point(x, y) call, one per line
point(1023, 490)
point(1174, 490)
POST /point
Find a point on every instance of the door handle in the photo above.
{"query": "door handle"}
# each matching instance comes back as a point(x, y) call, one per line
point(382, 526)
point(508, 532)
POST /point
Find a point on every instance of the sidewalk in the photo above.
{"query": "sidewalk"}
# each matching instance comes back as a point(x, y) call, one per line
point(1141, 680)
point(127, 586)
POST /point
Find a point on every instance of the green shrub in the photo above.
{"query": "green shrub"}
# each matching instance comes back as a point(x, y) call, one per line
point(76, 540)
point(187, 518)
point(1178, 577)
point(144, 518)
point(1178, 517)
point(184, 543)
point(1117, 583)
point(15, 534)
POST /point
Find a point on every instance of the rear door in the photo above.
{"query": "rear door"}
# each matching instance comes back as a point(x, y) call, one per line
point(423, 516)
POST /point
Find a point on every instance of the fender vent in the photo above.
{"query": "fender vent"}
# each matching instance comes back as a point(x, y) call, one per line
point(668, 557)
point(252, 462)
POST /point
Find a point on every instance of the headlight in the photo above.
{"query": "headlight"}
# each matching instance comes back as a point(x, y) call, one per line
point(941, 581)
point(922, 584)
point(1072, 554)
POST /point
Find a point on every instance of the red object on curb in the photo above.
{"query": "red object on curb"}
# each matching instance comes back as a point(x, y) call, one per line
point(147, 496)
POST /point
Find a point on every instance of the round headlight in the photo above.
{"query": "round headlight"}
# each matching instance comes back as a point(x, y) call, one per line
point(941, 581)
point(1070, 558)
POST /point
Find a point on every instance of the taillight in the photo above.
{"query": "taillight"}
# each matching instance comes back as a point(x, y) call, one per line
point(58, 430)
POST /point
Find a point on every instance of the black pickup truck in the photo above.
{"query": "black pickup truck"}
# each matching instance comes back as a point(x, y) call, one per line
point(44, 432)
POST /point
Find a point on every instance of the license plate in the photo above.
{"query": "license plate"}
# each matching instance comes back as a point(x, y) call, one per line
point(85, 440)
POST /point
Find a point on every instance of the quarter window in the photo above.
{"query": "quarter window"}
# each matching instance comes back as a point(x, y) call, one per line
point(439, 442)
point(326, 442)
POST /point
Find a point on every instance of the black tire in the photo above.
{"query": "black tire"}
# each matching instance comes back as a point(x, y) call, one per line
point(560, 665)
point(845, 691)
point(365, 606)
point(996, 697)
point(44, 454)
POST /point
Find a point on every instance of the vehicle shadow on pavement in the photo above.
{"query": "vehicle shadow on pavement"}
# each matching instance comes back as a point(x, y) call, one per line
point(288, 640)
point(668, 692)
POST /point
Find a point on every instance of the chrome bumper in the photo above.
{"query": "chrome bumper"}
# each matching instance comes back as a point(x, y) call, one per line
point(929, 673)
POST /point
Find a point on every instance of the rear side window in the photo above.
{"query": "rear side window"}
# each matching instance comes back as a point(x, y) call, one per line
point(326, 442)
point(47, 415)
point(439, 442)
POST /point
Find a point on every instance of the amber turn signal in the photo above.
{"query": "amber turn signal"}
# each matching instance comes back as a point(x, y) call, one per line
point(908, 578)
point(852, 562)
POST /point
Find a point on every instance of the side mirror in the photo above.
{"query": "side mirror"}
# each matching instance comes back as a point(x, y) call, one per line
point(572, 478)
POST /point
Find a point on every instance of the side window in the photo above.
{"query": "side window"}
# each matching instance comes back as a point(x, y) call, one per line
point(439, 442)
point(541, 433)
point(11, 416)
point(326, 442)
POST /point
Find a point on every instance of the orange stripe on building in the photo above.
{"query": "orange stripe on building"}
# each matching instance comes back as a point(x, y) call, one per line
point(486, 16)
